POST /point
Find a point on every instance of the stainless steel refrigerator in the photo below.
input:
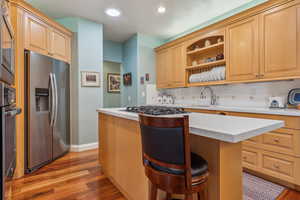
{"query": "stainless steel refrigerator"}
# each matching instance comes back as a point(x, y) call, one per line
point(47, 110)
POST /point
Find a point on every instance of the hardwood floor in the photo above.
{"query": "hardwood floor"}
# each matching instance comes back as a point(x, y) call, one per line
point(77, 176)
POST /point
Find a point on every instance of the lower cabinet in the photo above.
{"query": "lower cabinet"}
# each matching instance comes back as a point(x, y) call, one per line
point(275, 154)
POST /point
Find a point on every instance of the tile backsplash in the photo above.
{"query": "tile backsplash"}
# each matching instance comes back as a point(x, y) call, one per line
point(238, 95)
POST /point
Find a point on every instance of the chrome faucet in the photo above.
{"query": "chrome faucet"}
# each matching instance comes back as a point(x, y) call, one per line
point(213, 97)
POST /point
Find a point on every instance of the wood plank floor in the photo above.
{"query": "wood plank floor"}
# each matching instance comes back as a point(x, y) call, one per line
point(77, 176)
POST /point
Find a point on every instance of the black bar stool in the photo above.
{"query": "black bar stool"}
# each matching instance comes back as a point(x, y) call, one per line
point(168, 161)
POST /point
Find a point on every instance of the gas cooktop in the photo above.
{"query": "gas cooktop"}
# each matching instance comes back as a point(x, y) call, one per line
point(156, 110)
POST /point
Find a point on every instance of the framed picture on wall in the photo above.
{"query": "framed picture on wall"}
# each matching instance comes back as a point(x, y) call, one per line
point(113, 83)
point(90, 79)
point(127, 79)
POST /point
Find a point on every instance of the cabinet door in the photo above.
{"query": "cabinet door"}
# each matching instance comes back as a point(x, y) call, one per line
point(59, 45)
point(280, 42)
point(36, 35)
point(178, 66)
point(163, 68)
point(242, 50)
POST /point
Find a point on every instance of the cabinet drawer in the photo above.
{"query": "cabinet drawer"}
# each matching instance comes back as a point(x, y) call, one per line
point(278, 140)
point(250, 157)
point(278, 165)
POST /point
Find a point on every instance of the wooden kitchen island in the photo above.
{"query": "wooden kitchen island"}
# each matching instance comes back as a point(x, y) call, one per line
point(216, 138)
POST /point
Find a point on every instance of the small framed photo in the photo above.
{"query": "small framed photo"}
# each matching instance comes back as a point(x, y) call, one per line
point(127, 79)
point(113, 83)
point(90, 79)
point(142, 80)
point(147, 77)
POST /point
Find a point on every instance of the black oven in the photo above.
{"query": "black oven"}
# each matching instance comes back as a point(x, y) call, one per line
point(8, 111)
point(7, 67)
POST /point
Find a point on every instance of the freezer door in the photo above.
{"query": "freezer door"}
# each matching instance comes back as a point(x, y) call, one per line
point(40, 109)
point(61, 129)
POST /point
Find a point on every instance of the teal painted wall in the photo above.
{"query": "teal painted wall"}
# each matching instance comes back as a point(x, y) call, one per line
point(69, 22)
point(130, 64)
point(87, 55)
point(146, 63)
point(216, 19)
point(110, 100)
point(112, 51)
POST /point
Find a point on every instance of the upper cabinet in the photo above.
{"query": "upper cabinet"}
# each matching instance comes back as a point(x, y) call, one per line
point(59, 45)
point(177, 67)
point(242, 50)
point(170, 67)
point(163, 68)
point(261, 44)
point(45, 39)
point(36, 35)
point(280, 42)
point(205, 57)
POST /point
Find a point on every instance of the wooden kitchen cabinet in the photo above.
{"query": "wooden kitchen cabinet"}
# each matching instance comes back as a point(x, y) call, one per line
point(280, 42)
point(170, 67)
point(177, 66)
point(242, 50)
point(36, 35)
point(60, 45)
point(262, 44)
point(42, 38)
point(275, 154)
point(163, 68)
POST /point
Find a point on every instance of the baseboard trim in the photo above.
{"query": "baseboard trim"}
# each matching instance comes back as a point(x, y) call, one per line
point(84, 147)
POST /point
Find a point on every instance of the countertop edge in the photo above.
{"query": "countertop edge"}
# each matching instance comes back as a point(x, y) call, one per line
point(204, 133)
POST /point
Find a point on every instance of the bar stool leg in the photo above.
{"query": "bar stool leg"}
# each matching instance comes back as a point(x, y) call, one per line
point(199, 196)
point(169, 196)
point(153, 192)
point(188, 196)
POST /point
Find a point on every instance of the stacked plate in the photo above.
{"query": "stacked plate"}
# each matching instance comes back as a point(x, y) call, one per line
point(215, 74)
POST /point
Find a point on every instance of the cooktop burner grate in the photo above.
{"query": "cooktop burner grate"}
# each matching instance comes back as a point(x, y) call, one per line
point(156, 110)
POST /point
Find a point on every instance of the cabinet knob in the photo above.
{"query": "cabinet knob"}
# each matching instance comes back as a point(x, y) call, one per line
point(276, 140)
point(276, 166)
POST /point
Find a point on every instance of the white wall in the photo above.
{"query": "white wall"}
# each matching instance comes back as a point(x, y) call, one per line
point(246, 95)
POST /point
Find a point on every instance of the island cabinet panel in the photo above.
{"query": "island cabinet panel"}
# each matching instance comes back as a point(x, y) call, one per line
point(42, 38)
point(120, 154)
point(242, 52)
point(280, 42)
point(274, 155)
point(121, 160)
point(36, 35)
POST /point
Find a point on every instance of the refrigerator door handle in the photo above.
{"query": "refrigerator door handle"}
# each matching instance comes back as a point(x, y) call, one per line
point(56, 99)
point(52, 91)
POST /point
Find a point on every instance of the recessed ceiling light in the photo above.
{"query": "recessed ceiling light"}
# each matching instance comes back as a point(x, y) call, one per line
point(113, 12)
point(161, 9)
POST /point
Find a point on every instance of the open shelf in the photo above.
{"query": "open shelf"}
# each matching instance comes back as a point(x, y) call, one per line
point(205, 65)
point(205, 49)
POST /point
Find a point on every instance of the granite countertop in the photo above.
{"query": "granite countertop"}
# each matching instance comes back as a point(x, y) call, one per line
point(268, 111)
point(224, 128)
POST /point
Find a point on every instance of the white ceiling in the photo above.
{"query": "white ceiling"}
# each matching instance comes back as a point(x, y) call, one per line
point(140, 15)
